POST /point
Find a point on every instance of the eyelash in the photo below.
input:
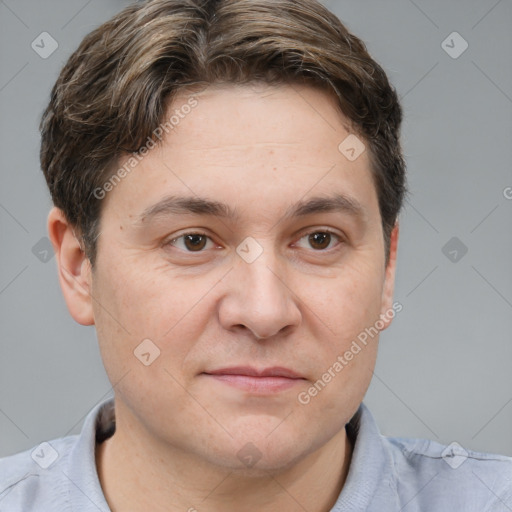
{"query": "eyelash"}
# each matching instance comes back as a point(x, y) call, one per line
point(200, 233)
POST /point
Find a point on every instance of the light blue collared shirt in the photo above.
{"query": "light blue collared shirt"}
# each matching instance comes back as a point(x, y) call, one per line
point(386, 474)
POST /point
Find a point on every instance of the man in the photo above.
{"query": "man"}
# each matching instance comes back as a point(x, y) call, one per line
point(227, 178)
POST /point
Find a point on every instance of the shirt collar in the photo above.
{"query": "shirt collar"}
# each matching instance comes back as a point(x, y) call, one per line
point(85, 491)
point(371, 472)
point(371, 477)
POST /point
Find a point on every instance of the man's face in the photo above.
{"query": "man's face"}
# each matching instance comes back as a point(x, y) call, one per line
point(252, 300)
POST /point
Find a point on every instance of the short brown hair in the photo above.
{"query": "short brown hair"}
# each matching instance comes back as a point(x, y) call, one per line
point(115, 88)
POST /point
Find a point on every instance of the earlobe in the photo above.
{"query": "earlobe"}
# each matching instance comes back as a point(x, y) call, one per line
point(73, 266)
point(389, 281)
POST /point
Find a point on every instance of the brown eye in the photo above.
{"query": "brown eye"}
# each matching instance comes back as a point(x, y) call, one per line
point(320, 240)
point(191, 242)
point(195, 242)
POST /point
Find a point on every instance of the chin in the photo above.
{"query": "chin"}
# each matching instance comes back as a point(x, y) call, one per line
point(258, 463)
point(264, 447)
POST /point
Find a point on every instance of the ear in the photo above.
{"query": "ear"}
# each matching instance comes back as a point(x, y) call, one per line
point(73, 267)
point(389, 280)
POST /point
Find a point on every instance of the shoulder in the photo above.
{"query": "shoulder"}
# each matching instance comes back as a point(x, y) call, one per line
point(55, 474)
point(36, 478)
point(430, 474)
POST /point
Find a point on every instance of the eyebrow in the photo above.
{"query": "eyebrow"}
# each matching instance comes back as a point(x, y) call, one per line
point(182, 205)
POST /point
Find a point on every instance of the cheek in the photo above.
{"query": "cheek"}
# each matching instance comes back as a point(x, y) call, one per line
point(148, 301)
point(346, 347)
point(345, 312)
point(137, 302)
point(329, 402)
point(347, 304)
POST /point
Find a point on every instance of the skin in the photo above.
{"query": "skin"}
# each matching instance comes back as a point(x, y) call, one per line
point(299, 305)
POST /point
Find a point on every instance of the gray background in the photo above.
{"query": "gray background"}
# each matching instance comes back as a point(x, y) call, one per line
point(444, 366)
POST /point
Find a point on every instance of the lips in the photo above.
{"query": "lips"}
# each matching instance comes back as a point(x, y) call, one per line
point(258, 381)
point(276, 371)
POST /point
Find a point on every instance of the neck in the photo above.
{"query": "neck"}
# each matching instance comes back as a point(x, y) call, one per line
point(138, 474)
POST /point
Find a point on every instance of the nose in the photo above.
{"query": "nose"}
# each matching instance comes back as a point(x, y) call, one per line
point(259, 299)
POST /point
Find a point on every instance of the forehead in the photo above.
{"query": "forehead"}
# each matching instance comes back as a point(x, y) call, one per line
point(254, 145)
point(259, 114)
